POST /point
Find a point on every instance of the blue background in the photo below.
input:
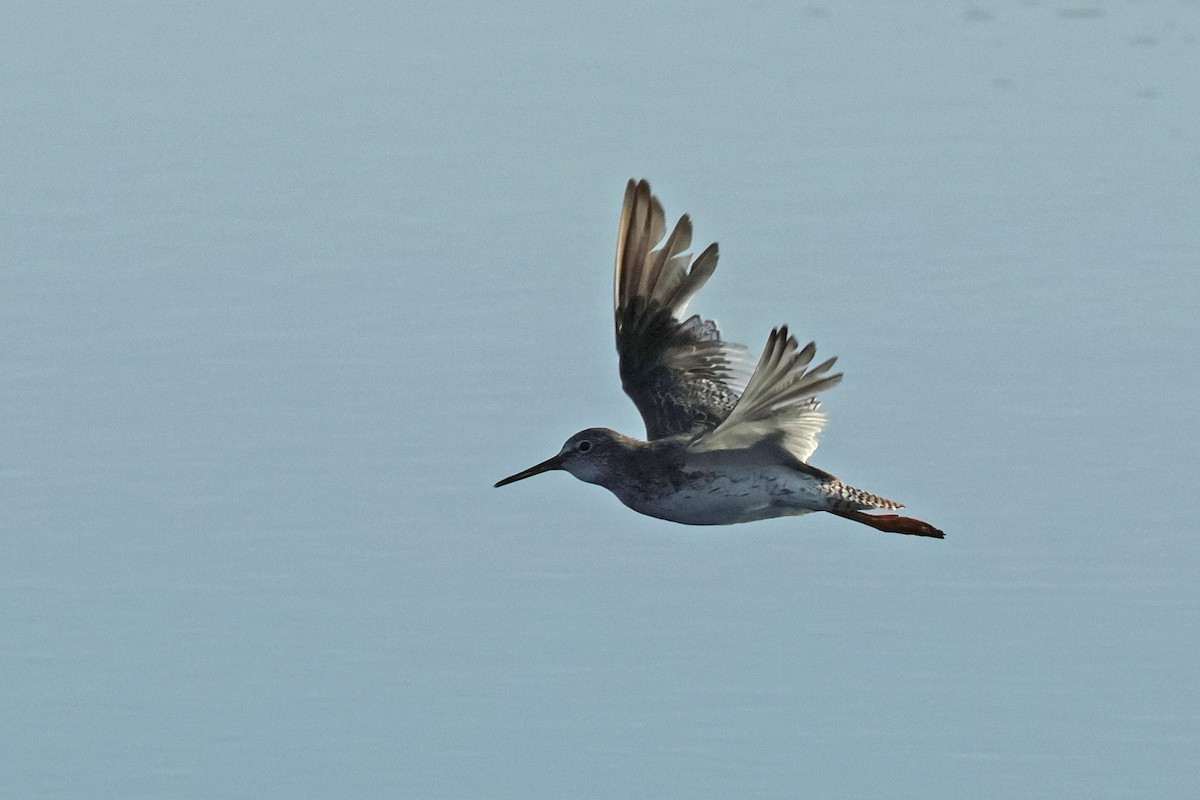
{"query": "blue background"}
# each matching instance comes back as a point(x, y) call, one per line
point(284, 289)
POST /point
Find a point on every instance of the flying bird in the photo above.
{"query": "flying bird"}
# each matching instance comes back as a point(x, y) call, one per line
point(727, 440)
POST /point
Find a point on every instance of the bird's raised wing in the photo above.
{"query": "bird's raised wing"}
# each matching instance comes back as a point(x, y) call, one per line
point(779, 402)
point(678, 372)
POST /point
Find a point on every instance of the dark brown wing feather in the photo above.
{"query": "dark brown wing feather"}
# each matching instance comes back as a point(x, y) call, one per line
point(678, 372)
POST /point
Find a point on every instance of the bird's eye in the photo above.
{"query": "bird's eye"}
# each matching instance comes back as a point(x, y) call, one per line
point(584, 446)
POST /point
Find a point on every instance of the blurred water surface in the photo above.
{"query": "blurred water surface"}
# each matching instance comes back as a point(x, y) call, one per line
point(284, 290)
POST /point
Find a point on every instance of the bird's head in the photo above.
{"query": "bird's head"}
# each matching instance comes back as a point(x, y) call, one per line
point(589, 455)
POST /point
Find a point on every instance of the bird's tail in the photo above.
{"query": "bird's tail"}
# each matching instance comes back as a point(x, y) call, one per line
point(849, 502)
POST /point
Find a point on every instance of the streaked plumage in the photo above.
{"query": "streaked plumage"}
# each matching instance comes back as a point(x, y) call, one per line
point(727, 440)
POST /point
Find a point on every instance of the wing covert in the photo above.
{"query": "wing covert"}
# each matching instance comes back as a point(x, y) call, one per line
point(780, 401)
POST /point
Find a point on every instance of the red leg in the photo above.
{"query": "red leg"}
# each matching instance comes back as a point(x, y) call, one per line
point(892, 523)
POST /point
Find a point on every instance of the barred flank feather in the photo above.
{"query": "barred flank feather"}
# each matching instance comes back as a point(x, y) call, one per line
point(846, 496)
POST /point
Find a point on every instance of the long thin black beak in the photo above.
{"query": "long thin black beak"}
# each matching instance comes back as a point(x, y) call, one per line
point(537, 469)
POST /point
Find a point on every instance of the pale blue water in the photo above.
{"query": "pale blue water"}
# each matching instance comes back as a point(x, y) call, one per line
point(283, 291)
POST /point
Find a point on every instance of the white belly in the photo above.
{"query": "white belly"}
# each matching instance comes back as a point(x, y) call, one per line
point(731, 496)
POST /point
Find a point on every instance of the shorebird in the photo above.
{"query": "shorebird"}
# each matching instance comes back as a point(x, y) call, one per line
point(727, 441)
